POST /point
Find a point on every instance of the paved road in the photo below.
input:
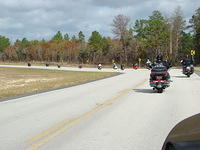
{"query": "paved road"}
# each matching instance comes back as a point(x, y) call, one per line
point(118, 113)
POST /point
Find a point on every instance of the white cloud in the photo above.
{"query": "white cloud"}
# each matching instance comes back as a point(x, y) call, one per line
point(37, 19)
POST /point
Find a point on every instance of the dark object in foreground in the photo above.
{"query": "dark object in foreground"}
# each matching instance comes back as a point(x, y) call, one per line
point(191, 145)
point(58, 66)
point(47, 65)
point(185, 135)
point(29, 64)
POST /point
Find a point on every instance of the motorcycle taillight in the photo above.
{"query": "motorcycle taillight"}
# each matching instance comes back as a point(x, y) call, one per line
point(188, 68)
point(165, 73)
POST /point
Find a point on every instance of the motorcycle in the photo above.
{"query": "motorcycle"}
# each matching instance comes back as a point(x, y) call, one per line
point(80, 66)
point(188, 70)
point(29, 64)
point(148, 66)
point(122, 67)
point(115, 66)
point(159, 79)
point(99, 67)
point(135, 66)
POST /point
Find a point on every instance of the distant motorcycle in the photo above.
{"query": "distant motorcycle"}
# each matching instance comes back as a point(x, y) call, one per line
point(159, 78)
point(149, 66)
point(58, 66)
point(80, 66)
point(115, 66)
point(47, 65)
point(29, 64)
point(188, 70)
point(122, 67)
point(135, 66)
point(99, 66)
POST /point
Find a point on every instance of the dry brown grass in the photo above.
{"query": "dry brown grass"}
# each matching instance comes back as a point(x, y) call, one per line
point(63, 64)
point(197, 68)
point(17, 81)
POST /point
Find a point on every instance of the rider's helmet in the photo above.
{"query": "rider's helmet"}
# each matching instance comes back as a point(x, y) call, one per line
point(159, 58)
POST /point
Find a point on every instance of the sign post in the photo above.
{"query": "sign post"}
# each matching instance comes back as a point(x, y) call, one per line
point(139, 60)
point(193, 52)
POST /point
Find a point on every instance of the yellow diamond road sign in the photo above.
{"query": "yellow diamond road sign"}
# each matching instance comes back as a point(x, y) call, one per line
point(192, 52)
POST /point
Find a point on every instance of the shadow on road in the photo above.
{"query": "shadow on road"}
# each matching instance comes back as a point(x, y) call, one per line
point(180, 76)
point(144, 90)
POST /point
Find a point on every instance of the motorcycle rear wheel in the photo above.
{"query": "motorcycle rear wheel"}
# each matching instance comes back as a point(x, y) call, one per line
point(160, 90)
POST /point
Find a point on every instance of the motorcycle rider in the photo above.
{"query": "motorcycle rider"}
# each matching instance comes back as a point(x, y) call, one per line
point(187, 62)
point(167, 64)
point(159, 60)
point(160, 66)
point(149, 64)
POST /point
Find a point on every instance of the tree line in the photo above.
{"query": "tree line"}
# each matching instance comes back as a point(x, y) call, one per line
point(171, 36)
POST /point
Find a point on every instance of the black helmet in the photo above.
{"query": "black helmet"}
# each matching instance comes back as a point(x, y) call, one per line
point(159, 58)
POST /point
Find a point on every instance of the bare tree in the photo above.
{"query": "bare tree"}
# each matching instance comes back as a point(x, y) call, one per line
point(178, 25)
point(120, 30)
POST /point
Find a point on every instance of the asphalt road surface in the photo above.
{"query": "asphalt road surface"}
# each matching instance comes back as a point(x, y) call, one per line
point(117, 113)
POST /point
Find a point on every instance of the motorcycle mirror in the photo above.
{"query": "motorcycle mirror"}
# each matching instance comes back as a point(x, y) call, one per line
point(185, 135)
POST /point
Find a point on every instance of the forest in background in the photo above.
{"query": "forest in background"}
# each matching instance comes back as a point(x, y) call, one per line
point(171, 36)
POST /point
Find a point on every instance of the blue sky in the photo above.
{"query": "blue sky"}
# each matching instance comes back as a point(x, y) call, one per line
point(37, 19)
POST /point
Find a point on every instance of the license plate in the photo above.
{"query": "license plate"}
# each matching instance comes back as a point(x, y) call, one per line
point(159, 77)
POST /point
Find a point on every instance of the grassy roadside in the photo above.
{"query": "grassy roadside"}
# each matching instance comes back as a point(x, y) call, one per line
point(62, 64)
point(17, 81)
point(197, 68)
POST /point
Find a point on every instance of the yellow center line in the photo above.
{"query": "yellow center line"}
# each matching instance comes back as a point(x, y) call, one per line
point(47, 131)
point(77, 120)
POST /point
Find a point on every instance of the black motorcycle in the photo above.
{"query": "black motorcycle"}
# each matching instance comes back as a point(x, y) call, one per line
point(159, 78)
point(122, 67)
point(188, 70)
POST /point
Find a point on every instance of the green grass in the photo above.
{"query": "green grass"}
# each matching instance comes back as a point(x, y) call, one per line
point(17, 81)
